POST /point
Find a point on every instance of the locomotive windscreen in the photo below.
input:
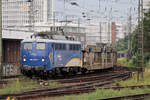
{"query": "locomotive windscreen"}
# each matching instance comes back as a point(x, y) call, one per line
point(40, 46)
point(28, 46)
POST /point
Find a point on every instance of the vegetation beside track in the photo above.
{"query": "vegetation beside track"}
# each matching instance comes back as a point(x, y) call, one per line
point(102, 93)
point(122, 61)
point(125, 62)
point(132, 62)
point(25, 84)
point(133, 80)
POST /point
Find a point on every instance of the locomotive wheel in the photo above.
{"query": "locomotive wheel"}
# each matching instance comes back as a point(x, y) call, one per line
point(22, 71)
point(49, 75)
point(53, 73)
point(83, 70)
point(29, 73)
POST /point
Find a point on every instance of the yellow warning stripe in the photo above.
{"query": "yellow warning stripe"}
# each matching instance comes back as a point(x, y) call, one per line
point(74, 59)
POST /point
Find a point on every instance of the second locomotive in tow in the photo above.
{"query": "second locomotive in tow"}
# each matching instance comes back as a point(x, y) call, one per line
point(47, 57)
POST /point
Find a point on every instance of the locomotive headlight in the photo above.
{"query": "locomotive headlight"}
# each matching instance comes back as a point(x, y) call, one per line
point(24, 59)
point(43, 59)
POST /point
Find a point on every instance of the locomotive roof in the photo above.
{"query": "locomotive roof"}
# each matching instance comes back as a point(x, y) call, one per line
point(53, 41)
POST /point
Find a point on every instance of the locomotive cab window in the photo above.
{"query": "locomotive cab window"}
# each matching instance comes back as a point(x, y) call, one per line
point(78, 47)
point(74, 47)
point(40, 46)
point(64, 46)
point(28, 46)
point(70, 47)
point(60, 47)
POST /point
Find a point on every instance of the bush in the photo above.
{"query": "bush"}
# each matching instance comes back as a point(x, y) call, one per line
point(147, 57)
point(148, 64)
point(131, 63)
point(122, 61)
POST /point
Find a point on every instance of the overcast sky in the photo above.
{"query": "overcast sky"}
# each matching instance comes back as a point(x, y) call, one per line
point(97, 10)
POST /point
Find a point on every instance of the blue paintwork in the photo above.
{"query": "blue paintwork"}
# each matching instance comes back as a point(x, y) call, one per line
point(34, 57)
point(67, 55)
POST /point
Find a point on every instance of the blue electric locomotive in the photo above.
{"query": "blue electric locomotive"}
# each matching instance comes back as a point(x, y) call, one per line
point(50, 57)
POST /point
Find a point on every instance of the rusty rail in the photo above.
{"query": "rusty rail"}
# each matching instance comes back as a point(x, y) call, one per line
point(132, 97)
point(125, 68)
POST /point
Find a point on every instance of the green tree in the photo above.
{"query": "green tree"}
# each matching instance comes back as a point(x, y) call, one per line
point(122, 44)
point(146, 38)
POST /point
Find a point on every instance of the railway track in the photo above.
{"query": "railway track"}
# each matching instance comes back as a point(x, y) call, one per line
point(83, 87)
point(6, 79)
point(122, 87)
point(76, 84)
point(94, 75)
point(2, 82)
point(86, 90)
point(91, 77)
point(141, 96)
point(9, 77)
point(124, 68)
point(71, 79)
